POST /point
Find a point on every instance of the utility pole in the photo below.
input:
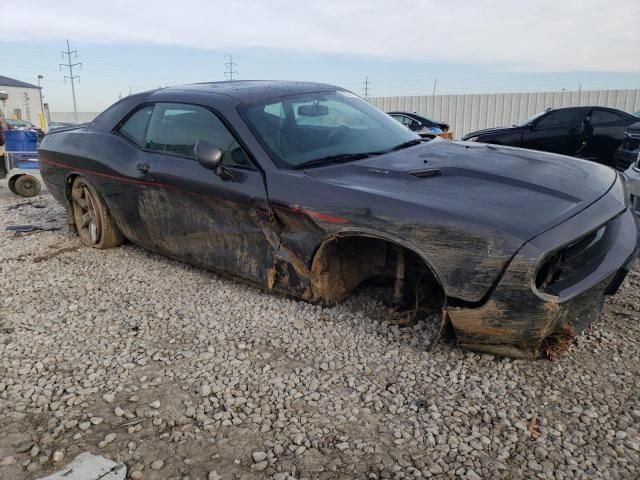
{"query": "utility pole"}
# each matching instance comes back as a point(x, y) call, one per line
point(41, 117)
point(40, 77)
point(71, 76)
point(366, 88)
point(435, 84)
point(229, 73)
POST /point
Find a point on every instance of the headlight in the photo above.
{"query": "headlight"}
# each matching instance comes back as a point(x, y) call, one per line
point(472, 139)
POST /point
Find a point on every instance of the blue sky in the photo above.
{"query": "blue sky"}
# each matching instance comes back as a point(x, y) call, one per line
point(528, 46)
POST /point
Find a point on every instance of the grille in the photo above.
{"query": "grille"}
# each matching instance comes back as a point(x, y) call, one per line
point(557, 270)
point(434, 172)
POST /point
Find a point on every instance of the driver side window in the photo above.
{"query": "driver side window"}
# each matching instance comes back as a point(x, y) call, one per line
point(174, 129)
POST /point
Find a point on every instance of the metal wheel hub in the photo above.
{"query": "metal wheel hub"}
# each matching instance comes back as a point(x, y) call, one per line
point(88, 218)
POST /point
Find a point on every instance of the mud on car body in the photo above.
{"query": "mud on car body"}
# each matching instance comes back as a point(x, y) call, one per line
point(307, 190)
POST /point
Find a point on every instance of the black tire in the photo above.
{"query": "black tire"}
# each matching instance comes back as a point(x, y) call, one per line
point(91, 216)
point(12, 184)
point(27, 186)
point(3, 167)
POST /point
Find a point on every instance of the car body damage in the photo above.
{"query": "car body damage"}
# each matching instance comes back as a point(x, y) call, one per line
point(517, 248)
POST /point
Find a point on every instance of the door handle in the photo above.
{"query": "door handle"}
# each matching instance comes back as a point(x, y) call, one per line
point(143, 167)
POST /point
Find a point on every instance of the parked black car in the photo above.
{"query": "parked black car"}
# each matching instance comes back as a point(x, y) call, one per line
point(592, 133)
point(418, 123)
point(308, 190)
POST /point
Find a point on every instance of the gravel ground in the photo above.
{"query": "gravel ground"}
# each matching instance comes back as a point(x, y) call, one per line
point(180, 374)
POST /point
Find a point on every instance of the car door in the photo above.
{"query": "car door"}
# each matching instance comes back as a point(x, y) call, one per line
point(120, 187)
point(559, 131)
point(606, 133)
point(188, 212)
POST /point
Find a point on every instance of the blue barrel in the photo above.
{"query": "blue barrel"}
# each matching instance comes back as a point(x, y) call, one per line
point(20, 140)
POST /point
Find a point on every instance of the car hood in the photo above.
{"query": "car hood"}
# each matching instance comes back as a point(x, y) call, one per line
point(492, 131)
point(516, 191)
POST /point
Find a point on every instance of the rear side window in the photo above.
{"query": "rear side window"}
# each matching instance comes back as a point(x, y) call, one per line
point(603, 116)
point(406, 121)
point(570, 116)
point(176, 128)
point(135, 127)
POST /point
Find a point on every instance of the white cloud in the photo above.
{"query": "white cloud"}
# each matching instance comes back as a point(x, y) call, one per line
point(558, 35)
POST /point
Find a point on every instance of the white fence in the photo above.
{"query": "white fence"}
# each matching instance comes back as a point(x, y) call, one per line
point(70, 116)
point(466, 113)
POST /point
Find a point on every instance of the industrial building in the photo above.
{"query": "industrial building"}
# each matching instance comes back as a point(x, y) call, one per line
point(23, 102)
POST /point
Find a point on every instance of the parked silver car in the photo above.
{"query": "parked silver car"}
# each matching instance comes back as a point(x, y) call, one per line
point(633, 174)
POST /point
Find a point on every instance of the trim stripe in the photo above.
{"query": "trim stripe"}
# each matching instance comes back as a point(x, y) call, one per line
point(117, 177)
point(317, 215)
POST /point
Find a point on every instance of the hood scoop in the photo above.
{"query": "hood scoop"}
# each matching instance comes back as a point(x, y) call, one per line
point(431, 172)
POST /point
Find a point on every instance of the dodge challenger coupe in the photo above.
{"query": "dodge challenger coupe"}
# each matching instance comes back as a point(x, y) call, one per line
point(307, 190)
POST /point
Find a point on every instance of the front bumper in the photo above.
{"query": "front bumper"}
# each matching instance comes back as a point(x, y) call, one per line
point(517, 319)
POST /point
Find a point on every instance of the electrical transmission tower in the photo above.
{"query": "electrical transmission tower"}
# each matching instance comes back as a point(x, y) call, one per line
point(367, 87)
point(229, 73)
point(71, 76)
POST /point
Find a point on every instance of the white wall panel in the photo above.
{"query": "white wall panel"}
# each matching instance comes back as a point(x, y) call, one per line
point(466, 113)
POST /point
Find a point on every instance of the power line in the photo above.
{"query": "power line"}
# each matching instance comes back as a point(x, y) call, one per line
point(366, 87)
point(229, 73)
point(71, 76)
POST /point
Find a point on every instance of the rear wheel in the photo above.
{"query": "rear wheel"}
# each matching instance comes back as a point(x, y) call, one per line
point(27, 186)
point(92, 218)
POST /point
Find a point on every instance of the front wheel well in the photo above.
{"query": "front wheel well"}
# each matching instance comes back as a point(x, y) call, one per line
point(342, 263)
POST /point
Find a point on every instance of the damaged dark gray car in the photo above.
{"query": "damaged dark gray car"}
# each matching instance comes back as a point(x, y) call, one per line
point(307, 190)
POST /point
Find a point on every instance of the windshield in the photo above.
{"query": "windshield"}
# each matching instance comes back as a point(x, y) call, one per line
point(311, 127)
point(531, 119)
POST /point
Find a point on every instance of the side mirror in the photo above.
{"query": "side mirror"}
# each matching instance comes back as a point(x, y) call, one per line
point(532, 126)
point(208, 156)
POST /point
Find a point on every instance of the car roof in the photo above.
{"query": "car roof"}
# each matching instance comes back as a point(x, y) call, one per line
point(248, 91)
point(552, 109)
point(409, 114)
